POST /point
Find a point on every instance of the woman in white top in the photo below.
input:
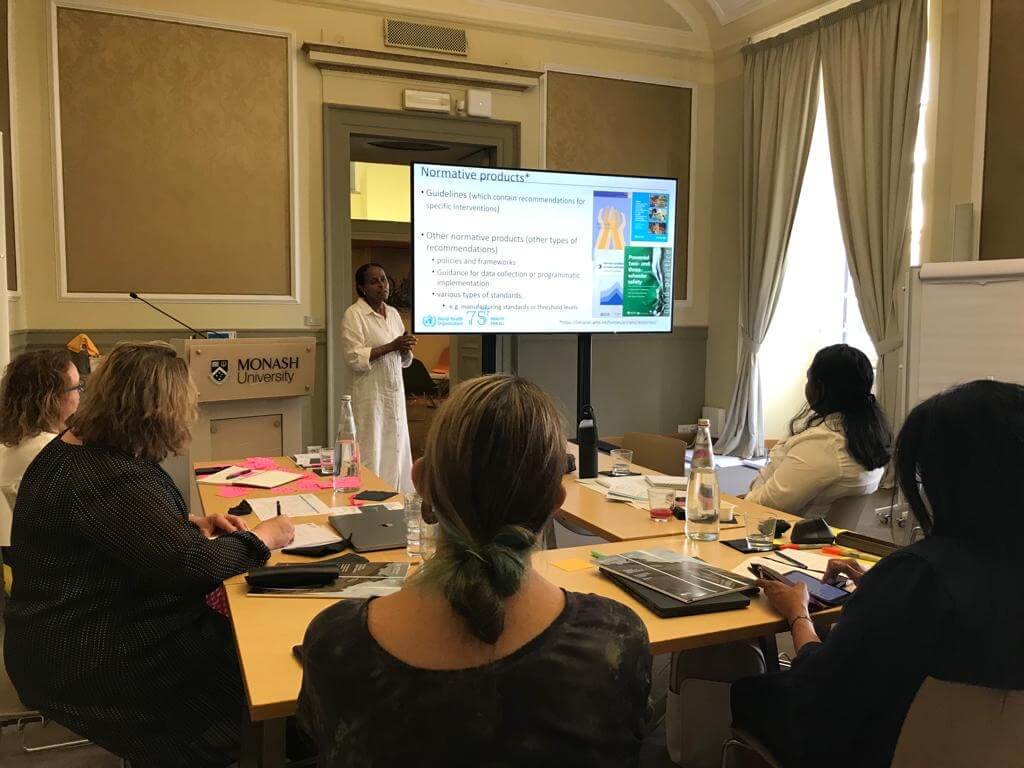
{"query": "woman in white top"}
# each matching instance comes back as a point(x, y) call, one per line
point(839, 444)
point(39, 391)
point(377, 348)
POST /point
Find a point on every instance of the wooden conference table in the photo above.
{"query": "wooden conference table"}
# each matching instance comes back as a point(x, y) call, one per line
point(266, 629)
point(615, 521)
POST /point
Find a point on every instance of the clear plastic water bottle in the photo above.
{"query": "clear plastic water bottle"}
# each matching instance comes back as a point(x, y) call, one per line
point(347, 468)
point(703, 503)
point(703, 452)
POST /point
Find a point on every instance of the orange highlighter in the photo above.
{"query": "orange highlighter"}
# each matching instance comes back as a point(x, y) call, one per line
point(847, 552)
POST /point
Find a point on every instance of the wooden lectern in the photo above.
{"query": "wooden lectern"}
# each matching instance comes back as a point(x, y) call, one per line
point(251, 398)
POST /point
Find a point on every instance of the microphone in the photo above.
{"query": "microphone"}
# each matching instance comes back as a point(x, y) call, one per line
point(136, 296)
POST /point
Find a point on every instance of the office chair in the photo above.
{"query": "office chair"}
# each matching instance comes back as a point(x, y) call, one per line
point(12, 711)
point(666, 455)
point(418, 382)
point(949, 725)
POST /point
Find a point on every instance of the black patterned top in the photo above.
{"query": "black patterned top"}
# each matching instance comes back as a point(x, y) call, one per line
point(575, 695)
point(108, 631)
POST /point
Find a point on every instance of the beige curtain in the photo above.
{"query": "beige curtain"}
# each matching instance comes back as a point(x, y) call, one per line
point(873, 67)
point(780, 91)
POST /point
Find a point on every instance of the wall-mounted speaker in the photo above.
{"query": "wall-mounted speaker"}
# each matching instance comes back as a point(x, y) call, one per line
point(425, 37)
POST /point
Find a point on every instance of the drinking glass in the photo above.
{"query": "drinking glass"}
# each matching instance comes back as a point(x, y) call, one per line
point(760, 530)
point(661, 501)
point(428, 539)
point(327, 461)
point(413, 523)
point(621, 459)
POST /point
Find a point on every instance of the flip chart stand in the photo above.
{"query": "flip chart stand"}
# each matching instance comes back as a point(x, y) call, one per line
point(584, 367)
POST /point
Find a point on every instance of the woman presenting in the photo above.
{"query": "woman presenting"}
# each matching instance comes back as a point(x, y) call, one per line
point(377, 347)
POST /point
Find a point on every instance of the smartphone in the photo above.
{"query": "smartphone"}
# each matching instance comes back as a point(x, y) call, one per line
point(823, 593)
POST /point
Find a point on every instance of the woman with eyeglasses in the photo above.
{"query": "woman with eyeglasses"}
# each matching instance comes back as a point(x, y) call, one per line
point(108, 631)
point(39, 391)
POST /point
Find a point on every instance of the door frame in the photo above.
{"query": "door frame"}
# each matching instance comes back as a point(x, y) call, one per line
point(340, 123)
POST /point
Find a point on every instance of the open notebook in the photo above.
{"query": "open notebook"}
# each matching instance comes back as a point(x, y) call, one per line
point(251, 478)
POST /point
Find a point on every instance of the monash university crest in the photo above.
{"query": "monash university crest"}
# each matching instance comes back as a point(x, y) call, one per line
point(218, 371)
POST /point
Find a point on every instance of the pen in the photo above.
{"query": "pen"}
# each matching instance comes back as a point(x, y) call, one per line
point(790, 560)
point(800, 567)
point(279, 508)
point(238, 474)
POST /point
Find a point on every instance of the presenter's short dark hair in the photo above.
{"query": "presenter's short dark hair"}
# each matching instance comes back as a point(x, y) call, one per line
point(361, 274)
point(964, 448)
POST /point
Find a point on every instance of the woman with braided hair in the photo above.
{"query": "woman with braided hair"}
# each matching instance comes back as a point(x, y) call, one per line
point(480, 660)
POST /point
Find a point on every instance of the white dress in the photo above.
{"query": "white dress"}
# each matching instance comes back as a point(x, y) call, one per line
point(809, 471)
point(13, 463)
point(378, 394)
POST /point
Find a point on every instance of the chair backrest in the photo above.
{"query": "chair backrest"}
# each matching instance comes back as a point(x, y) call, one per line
point(416, 379)
point(443, 364)
point(952, 725)
point(658, 452)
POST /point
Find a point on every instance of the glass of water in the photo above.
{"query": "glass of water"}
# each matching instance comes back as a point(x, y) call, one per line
point(703, 503)
point(413, 523)
point(428, 539)
point(760, 530)
point(326, 461)
point(621, 459)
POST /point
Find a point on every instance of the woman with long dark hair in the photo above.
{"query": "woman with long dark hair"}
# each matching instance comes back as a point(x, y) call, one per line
point(839, 443)
point(946, 607)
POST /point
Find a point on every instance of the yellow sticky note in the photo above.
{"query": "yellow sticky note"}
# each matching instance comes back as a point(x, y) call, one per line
point(573, 564)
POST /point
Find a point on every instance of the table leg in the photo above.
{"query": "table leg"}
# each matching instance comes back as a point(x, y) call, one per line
point(263, 744)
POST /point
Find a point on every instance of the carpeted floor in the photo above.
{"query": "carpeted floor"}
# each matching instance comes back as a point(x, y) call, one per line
point(88, 756)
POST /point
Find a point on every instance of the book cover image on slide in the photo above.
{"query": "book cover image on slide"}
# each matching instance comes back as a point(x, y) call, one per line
point(650, 217)
point(647, 282)
point(607, 284)
point(611, 220)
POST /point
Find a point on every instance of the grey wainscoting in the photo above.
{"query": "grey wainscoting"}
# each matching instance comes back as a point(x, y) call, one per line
point(314, 422)
point(640, 383)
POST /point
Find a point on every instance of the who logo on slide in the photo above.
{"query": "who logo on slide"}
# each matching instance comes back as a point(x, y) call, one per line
point(218, 371)
point(429, 321)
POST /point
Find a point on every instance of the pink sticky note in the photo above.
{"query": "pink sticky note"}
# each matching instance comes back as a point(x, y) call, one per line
point(232, 491)
point(260, 462)
point(325, 482)
point(348, 482)
point(309, 484)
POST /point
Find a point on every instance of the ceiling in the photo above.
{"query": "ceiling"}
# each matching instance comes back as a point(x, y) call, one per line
point(697, 27)
point(651, 12)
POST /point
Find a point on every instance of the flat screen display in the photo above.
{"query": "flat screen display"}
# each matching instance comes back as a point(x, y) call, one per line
point(507, 250)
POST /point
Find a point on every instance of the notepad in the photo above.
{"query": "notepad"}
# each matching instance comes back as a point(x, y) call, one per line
point(235, 475)
point(300, 505)
point(666, 481)
point(311, 535)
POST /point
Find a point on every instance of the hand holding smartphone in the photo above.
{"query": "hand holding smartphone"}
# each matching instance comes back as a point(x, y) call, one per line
point(821, 595)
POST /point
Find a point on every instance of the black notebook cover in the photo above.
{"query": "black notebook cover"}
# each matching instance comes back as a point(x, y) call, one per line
point(668, 607)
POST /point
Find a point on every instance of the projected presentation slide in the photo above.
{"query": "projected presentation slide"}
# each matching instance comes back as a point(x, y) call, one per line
point(499, 250)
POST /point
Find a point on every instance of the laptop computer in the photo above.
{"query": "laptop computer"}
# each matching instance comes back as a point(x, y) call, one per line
point(375, 528)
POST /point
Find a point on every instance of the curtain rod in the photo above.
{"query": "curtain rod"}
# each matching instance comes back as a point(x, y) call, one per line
point(825, 18)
